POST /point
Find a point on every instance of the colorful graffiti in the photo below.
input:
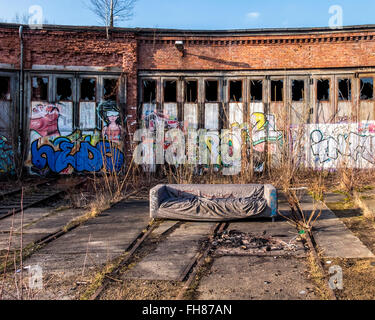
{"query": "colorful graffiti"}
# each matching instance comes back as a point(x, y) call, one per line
point(110, 117)
point(59, 151)
point(151, 119)
point(334, 145)
point(264, 129)
point(44, 120)
point(6, 156)
point(59, 156)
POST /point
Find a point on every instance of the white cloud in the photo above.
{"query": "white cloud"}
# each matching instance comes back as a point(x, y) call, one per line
point(253, 15)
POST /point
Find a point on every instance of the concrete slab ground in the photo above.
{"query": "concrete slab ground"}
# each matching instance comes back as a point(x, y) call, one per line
point(331, 234)
point(37, 224)
point(173, 254)
point(31, 215)
point(256, 278)
point(366, 201)
point(164, 227)
point(96, 242)
point(275, 275)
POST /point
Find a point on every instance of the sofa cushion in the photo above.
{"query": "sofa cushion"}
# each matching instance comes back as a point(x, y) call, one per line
point(200, 208)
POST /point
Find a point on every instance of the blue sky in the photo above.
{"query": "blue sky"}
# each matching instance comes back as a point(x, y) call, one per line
point(205, 14)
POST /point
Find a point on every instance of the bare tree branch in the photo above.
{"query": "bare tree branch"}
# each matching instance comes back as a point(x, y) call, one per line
point(111, 12)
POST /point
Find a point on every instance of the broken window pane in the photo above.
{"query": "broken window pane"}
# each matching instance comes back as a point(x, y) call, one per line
point(256, 90)
point(298, 90)
point(149, 91)
point(110, 89)
point(277, 90)
point(322, 89)
point(345, 89)
point(191, 91)
point(4, 88)
point(88, 89)
point(170, 91)
point(211, 91)
point(64, 89)
point(40, 88)
point(367, 88)
point(235, 91)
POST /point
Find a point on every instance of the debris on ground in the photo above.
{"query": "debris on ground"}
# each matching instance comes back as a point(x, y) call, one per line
point(234, 241)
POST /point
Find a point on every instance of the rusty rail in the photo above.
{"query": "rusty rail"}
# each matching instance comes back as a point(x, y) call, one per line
point(199, 260)
point(133, 248)
point(309, 240)
point(11, 201)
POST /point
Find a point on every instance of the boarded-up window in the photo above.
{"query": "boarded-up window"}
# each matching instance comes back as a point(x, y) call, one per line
point(88, 89)
point(149, 91)
point(170, 91)
point(87, 106)
point(191, 91)
point(211, 90)
point(367, 88)
point(298, 90)
point(110, 89)
point(211, 116)
point(64, 89)
point(345, 89)
point(4, 88)
point(277, 90)
point(235, 91)
point(39, 88)
point(322, 90)
point(256, 90)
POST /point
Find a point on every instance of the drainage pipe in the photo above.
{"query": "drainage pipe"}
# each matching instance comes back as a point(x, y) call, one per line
point(21, 96)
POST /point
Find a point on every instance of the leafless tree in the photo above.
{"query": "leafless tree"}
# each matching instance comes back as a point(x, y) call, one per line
point(111, 11)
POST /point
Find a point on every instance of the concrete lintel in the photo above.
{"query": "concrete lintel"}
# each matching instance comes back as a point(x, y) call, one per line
point(6, 66)
point(75, 68)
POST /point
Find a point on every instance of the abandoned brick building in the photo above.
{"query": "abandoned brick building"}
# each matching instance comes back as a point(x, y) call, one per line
point(69, 93)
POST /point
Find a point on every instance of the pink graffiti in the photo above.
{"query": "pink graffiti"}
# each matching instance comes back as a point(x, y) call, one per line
point(44, 120)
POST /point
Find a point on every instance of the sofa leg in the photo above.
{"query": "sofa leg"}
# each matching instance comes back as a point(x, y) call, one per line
point(273, 219)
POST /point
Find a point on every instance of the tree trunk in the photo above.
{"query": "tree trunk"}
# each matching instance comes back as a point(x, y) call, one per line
point(111, 16)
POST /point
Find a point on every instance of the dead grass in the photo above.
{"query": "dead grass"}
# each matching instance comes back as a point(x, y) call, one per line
point(359, 279)
point(318, 278)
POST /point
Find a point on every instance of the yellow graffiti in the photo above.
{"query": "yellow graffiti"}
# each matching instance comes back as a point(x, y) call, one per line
point(209, 142)
point(260, 120)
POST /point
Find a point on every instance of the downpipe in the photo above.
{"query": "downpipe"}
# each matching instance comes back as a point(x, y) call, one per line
point(21, 102)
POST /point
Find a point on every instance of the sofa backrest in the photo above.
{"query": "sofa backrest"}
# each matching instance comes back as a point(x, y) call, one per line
point(211, 191)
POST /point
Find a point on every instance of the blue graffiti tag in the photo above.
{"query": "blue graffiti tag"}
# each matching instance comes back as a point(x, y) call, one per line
point(88, 158)
point(6, 156)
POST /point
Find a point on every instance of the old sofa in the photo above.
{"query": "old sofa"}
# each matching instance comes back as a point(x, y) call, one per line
point(213, 202)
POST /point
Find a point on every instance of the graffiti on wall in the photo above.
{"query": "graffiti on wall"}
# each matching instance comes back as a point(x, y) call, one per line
point(58, 151)
point(333, 145)
point(109, 115)
point(6, 156)
point(263, 130)
point(85, 155)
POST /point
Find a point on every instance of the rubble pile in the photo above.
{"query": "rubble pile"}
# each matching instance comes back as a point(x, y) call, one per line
point(235, 241)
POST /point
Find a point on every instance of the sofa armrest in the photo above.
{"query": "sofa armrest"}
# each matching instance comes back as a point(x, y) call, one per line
point(270, 194)
point(157, 195)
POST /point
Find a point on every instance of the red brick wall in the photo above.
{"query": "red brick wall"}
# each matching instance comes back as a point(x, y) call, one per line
point(132, 52)
point(73, 48)
point(332, 50)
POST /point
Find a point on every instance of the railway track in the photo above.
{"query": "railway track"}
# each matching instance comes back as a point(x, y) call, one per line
point(297, 211)
point(189, 274)
point(22, 198)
